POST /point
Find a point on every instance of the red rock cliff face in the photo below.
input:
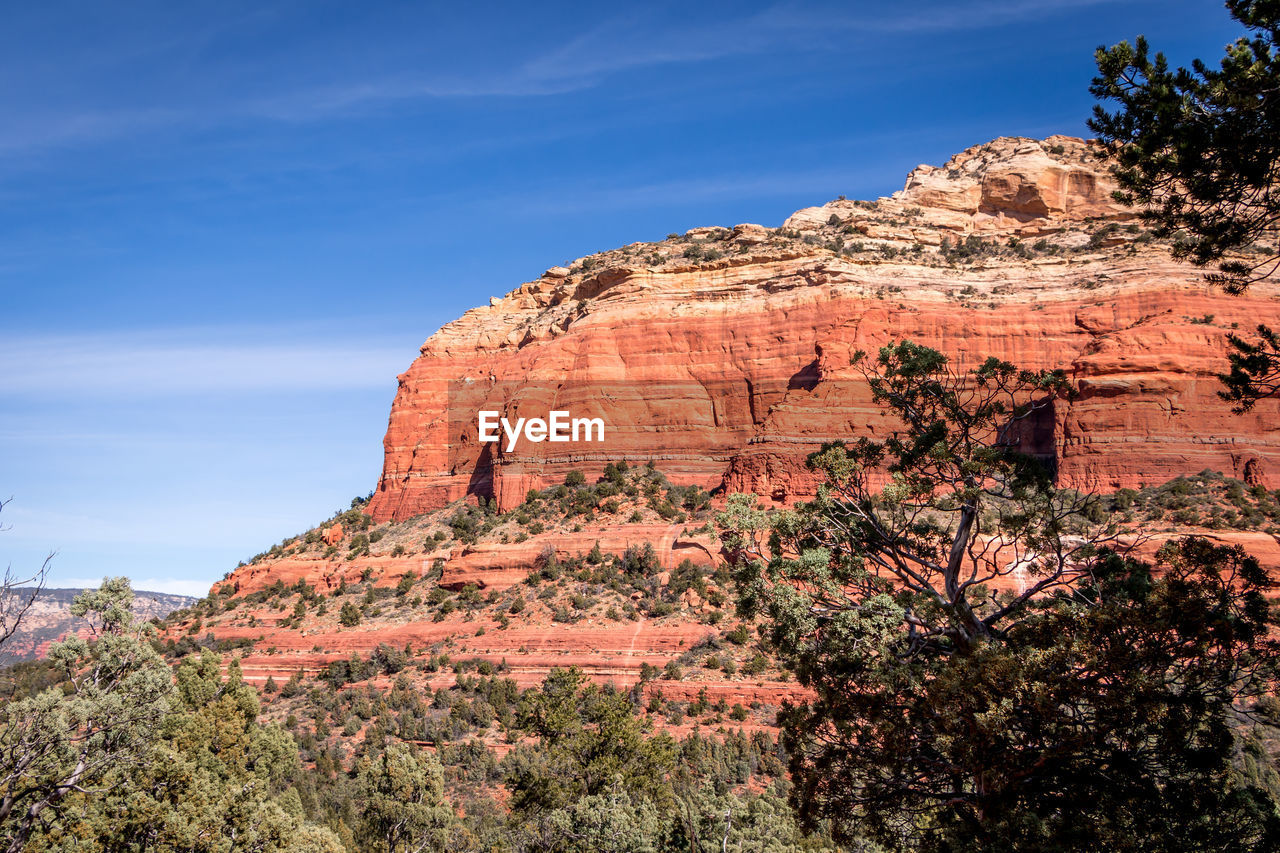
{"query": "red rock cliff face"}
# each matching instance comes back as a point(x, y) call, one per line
point(725, 354)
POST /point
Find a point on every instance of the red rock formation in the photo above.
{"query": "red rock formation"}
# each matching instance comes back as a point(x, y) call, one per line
point(498, 566)
point(725, 357)
point(489, 565)
point(729, 371)
point(606, 650)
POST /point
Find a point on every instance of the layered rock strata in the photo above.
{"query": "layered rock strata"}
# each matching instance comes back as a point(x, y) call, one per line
point(724, 355)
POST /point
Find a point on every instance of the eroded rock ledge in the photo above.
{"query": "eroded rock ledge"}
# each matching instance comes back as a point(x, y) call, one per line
point(735, 342)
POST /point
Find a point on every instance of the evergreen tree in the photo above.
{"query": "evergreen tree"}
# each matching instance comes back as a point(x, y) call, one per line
point(1199, 150)
point(72, 738)
point(591, 742)
point(400, 791)
point(349, 615)
point(987, 674)
point(125, 756)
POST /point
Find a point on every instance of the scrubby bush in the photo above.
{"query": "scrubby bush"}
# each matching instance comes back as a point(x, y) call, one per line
point(349, 615)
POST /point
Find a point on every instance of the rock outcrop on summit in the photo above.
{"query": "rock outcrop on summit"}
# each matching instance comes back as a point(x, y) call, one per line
point(724, 354)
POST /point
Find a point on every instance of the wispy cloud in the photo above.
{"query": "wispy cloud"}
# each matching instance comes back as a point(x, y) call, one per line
point(70, 128)
point(629, 42)
point(329, 101)
point(190, 362)
point(633, 41)
point(956, 17)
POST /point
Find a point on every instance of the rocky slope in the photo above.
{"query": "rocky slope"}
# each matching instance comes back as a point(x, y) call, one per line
point(723, 357)
point(610, 577)
point(592, 576)
point(724, 353)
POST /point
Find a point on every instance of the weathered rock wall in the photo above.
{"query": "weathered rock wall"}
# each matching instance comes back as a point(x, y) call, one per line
point(724, 355)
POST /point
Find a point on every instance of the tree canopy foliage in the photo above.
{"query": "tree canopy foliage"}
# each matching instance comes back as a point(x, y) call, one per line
point(1198, 150)
point(113, 750)
point(595, 780)
point(126, 755)
point(990, 672)
point(401, 792)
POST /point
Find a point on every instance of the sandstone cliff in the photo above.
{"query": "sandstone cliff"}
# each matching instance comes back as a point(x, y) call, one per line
point(724, 354)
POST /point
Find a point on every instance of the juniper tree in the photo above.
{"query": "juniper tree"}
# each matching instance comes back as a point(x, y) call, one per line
point(400, 791)
point(125, 754)
point(989, 672)
point(68, 739)
point(1198, 150)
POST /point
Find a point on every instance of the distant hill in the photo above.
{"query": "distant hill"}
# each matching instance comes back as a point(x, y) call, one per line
point(50, 618)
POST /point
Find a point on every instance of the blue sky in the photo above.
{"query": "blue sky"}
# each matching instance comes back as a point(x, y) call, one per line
point(226, 227)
